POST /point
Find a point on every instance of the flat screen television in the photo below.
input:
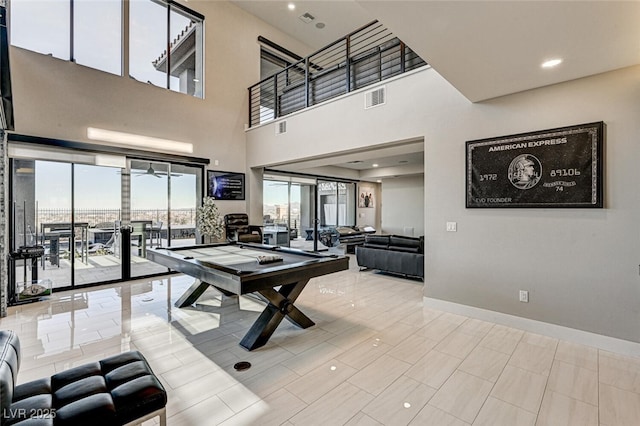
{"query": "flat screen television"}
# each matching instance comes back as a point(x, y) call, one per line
point(225, 185)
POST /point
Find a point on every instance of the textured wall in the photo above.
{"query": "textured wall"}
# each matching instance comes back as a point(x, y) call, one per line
point(4, 238)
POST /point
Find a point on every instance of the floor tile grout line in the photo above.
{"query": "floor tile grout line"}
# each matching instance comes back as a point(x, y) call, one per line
point(496, 382)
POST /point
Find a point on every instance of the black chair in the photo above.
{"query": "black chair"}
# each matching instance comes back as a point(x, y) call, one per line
point(117, 390)
point(237, 228)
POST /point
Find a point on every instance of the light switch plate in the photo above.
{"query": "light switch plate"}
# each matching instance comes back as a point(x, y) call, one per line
point(452, 226)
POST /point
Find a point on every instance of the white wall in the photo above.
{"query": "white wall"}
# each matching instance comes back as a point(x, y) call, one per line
point(60, 99)
point(403, 206)
point(580, 266)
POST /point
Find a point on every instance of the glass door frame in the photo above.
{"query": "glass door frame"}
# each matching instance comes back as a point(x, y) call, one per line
point(313, 181)
point(66, 152)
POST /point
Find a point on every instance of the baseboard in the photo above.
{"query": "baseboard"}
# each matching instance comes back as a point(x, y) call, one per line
point(599, 341)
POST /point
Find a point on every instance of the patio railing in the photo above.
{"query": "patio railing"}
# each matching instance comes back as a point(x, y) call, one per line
point(364, 57)
point(94, 216)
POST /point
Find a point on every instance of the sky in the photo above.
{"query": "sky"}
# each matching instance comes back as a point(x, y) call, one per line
point(99, 188)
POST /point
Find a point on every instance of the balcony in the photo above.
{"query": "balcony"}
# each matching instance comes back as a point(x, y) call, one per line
point(366, 56)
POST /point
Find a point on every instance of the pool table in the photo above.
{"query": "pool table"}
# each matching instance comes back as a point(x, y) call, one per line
point(236, 268)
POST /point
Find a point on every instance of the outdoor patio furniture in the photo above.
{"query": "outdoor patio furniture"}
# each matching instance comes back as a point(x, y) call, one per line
point(155, 233)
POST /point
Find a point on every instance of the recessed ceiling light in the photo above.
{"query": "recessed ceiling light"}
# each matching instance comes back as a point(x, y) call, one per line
point(291, 6)
point(374, 165)
point(379, 181)
point(320, 25)
point(551, 63)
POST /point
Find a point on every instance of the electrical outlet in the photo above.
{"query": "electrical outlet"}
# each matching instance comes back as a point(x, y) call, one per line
point(452, 226)
point(524, 296)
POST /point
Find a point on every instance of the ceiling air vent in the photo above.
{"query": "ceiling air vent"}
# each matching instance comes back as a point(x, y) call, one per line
point(281, 127)
point(306, 17)
point(375, 97)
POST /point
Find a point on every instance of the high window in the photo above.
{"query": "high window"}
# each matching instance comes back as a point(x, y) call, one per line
point(166, 46)
point(84, 31)
point(165, 38)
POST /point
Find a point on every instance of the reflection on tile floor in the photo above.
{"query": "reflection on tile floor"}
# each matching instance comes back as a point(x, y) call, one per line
point(375, 356)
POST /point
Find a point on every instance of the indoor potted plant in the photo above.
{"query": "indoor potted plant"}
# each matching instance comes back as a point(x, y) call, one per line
point(208, 219)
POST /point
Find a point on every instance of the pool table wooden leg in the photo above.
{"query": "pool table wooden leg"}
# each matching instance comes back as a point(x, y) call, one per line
point(192, 294)
point(281, 305)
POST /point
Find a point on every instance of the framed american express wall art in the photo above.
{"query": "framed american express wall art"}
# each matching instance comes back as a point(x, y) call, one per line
point(548, 168)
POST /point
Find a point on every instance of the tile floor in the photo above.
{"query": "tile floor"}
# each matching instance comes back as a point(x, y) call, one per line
point(376, 356)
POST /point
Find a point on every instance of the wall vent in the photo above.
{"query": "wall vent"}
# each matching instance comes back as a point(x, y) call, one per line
point(281, 127)
point(375, 97)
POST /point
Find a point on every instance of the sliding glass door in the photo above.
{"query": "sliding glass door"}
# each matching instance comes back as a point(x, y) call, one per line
point(302, 203)
point(75, 212)
point(185, 192)
point(164, 197)
point(52, 202)
point(96, 214)
point(71, 211)
point(149, 210)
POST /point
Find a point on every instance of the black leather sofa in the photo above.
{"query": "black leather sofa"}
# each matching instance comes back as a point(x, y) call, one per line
point(118, 390)
point(392, 253)
point(349, 236)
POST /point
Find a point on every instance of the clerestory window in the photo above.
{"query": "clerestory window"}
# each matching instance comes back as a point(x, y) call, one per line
point(82, 31)
point(166, 42)
point(166, 46)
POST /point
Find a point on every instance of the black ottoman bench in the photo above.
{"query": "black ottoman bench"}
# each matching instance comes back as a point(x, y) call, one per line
point(118, 390)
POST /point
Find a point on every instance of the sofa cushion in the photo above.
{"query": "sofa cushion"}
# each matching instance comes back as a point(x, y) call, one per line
point(376, 241)
point(405, 249)
point(406, 244)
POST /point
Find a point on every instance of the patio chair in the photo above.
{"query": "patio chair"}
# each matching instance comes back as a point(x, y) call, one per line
point(155, 233)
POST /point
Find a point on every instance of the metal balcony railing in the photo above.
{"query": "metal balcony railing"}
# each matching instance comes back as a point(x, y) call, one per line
point(364, 57)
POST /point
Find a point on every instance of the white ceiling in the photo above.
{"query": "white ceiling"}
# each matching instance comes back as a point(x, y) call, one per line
point(490, 49)
point(340, 18)
point(485, 49)
point(396, 159)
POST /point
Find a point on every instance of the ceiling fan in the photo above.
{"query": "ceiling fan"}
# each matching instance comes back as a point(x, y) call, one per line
point(151, 172)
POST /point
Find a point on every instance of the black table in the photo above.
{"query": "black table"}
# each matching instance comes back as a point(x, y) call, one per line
point(233, 269)
point(54, 232)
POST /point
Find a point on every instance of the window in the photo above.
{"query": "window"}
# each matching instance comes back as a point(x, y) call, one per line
point(271, 64)
point(45, 27)
point(148, 39)
point(178, 68)
point(165, 38)
point(336, 201)
point(42, 26)
point(97, 34)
